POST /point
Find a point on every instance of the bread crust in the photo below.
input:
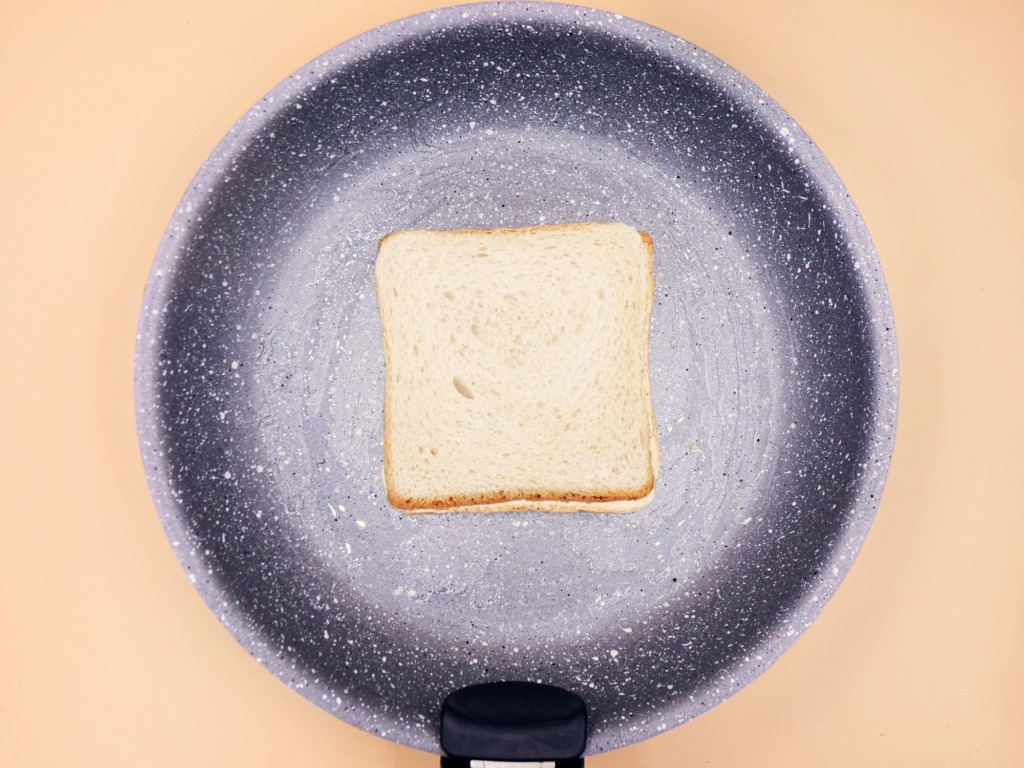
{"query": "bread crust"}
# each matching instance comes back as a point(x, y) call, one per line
point(523, 505)
point(648, 242)
point(520, 500)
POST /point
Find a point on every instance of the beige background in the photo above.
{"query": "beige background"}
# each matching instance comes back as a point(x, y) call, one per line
point(107, 655)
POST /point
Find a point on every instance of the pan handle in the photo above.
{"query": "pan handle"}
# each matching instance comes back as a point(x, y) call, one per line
point(513, 722)
point(458, 762)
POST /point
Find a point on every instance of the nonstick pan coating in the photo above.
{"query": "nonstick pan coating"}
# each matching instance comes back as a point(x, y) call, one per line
point(260, 373)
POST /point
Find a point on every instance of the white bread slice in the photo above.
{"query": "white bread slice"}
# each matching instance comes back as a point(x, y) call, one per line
point(517, 369)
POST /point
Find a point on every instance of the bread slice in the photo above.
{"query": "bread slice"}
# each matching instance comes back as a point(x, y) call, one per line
point(517, 369)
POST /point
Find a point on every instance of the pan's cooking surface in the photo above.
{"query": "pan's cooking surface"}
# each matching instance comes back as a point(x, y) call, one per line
point(260, 373)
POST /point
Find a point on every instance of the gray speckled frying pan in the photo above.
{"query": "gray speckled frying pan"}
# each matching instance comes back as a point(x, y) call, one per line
point(260, 373)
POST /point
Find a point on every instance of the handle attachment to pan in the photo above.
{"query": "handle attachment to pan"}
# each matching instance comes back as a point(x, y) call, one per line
point(492, 724)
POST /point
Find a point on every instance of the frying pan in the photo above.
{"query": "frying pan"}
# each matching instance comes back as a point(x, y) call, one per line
point(259, 374)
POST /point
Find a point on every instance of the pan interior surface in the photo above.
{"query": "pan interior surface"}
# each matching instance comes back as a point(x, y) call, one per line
point(260, 374)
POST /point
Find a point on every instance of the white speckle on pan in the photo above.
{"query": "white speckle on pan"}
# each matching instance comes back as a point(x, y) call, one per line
point(287, 254)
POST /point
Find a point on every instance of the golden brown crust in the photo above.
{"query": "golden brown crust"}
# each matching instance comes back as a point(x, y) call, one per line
point(520, 500)
point(648, 241)
point(388, 236)
point(655, 448)
point(520, 505)
point(517, 496)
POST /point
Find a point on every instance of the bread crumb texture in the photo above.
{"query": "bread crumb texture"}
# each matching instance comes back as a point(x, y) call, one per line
point(517, 369)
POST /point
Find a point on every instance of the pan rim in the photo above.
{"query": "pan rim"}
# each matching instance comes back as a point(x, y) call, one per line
point(861, 513)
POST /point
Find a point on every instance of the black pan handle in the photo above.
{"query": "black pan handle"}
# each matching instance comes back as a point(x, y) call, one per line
point(511, 722)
